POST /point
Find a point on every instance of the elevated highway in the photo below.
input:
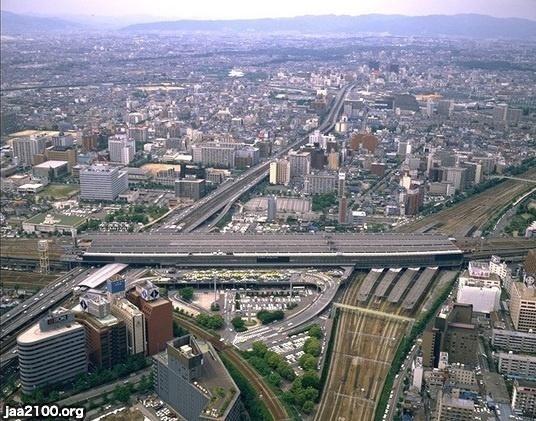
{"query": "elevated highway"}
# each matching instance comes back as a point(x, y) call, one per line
point(189, 219)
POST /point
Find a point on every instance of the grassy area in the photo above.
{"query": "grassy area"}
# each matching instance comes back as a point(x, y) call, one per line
point(25, 280)
point(59, 191)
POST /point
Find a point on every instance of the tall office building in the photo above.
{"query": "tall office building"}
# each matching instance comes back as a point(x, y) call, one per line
point(341, 185)
point(280, 172)
point(52, 351)
point(523, 305)
point(333, 161)
point(300, 163)
point(102, 182)
point(271, 208)
point(190, 377)
point(134, 321)
point(445, 107)
point(90, 141)
point(456, 177)
point(190, 188)
point(106, 336)
point(121, 149)
point(343, 210)
point(220, 155)
point(62, 153)
point(25, 149)
point(138, 133)
point(320, 183)
point(414, 199)
point(63, 140)
point(158, 314)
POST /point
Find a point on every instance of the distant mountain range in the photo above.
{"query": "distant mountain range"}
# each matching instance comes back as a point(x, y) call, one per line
point(468, 25)
point(465, 25)
point(13, 23)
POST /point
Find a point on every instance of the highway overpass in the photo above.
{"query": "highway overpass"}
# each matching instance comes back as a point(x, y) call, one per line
point(191, 218)
point(258, 250)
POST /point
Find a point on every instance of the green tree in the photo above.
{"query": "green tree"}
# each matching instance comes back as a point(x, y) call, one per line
point(308, 362)
point(312, 346)
point(308, 407)
point(275, 379)
point(315, 331)
point(310, 379)
point(238, 324)
point(259, 348)
point(187, 293)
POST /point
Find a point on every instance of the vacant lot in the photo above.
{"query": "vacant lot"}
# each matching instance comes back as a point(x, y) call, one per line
point(25, 280)
point(59, 191)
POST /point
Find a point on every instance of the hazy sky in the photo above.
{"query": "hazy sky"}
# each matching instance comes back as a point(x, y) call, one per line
point(229, 9)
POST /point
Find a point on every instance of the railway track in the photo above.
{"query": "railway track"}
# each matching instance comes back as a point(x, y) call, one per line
point(473, 213)
point(274, 406)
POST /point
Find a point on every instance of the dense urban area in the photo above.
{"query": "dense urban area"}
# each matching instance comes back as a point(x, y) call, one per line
point(257, 225)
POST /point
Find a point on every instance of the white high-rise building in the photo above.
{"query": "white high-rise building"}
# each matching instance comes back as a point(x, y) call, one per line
point(121, 149)
point(300, 163)
point(24, 148)
point(51, 351)
point(102, 182)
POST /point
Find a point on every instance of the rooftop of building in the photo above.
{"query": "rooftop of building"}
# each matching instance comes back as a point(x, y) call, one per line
point(526, 383)
point(127, 306)
point(51, 164)
point(106, 321)
point(525, 292)
point(56, 219)
point(214, 381)
point(35, 334)
point(266, 244)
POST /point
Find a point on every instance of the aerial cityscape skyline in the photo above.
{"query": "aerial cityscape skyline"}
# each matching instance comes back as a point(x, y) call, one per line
point(319, 218)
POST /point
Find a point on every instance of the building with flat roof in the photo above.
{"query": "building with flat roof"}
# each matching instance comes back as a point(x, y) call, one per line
point(135, 325)
point(158, 315)
point(523, 305)
point(513, 340)
point(52, 351)
point(359, 250)
point(190, 377)
point(524, 398)
point(320, 183)
point(26, 147)
point(121, 149)
point(62, 153)
point(517, 365)
point(106, 339)
point(190, 188)
point(53, 222)
point(51, 170)
point(102, 182)
point(451, 407)
point(106, 335)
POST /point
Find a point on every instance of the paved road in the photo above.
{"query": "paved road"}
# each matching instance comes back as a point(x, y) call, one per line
point(278, 330)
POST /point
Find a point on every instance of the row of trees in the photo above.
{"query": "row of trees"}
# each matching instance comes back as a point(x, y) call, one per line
point(88, 381)
point(213, 322)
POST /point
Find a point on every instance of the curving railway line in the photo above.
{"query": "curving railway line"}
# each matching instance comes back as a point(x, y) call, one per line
point(274, 406)
point(473, 213)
